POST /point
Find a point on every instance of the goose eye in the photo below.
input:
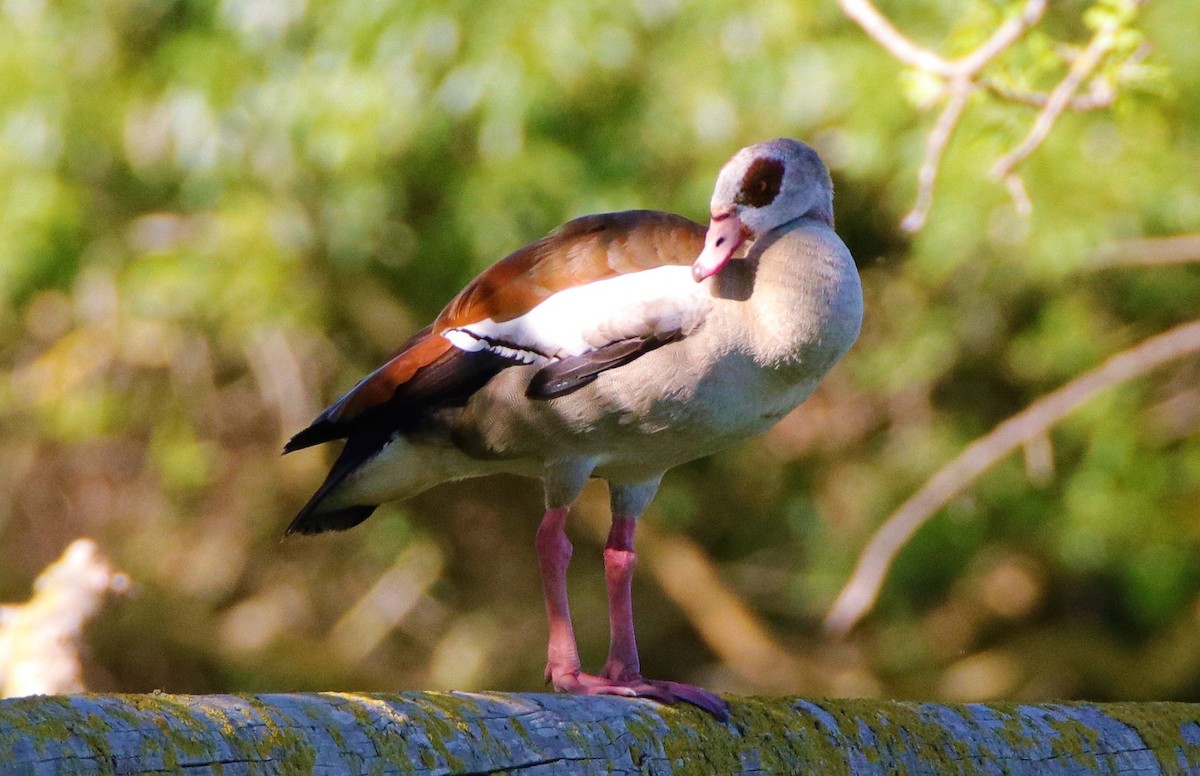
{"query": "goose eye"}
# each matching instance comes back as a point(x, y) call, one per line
point(761, 183)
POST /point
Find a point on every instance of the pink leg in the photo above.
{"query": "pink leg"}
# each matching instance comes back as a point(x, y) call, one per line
point(622, 672)
point(619, 560)
point(623, 669)
point(554, 555)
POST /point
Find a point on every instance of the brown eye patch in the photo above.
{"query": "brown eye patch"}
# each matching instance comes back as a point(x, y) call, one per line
point(761, 183)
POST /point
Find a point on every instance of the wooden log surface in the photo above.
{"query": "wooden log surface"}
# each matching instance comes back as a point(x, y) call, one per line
point(482, 733)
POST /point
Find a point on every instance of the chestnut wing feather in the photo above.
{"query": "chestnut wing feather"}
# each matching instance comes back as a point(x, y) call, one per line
point(581, 251)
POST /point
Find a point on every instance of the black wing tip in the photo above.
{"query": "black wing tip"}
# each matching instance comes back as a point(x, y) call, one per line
point(314, 517)
point(295, 443)
point(322, 430)
point(312, 521)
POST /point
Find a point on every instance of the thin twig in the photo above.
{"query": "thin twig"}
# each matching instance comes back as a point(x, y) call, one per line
point(862, 589)
point(1060, 97)
point(1016, 191)
point(935, 149)
point(1099, 95)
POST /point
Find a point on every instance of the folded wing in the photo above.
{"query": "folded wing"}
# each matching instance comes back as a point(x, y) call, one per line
point(591, 296)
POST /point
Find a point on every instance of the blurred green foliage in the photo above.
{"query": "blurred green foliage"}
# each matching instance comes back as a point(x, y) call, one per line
point(218, 215)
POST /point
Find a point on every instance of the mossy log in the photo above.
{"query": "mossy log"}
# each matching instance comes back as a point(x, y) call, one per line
point(465, 733)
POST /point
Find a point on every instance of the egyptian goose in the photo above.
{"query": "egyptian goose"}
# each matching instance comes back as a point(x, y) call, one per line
point(616, 347)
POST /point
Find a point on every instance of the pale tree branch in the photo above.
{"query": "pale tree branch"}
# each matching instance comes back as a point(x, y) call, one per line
point(366, 624)
point(1060, 97)
point(1147, 251)
point(961, 74)
point(964, 75)
point(1100, 94)
point(935, 149)
point(1002, 39)
point(861, 591)
point(882, 31)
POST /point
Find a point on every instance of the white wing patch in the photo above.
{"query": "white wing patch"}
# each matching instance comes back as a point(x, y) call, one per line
point(580, 319)
point(463, 339)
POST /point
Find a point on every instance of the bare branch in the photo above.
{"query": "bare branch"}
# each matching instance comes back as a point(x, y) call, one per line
point(960, 74)
point(861, 591)
point(1100, 94)
point(882, 31)
point(1060, 97)
point(1004, 37)
point(935, 149)
point(1179, 249)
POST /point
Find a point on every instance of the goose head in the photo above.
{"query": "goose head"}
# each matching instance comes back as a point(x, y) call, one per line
point(762, 187)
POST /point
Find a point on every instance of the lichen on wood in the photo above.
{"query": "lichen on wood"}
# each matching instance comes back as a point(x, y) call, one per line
point(475, 733)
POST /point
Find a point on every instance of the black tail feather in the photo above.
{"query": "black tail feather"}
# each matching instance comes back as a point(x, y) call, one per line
point(320, 431)
point(447, 382)
point(314, 522)
point(311, 518)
